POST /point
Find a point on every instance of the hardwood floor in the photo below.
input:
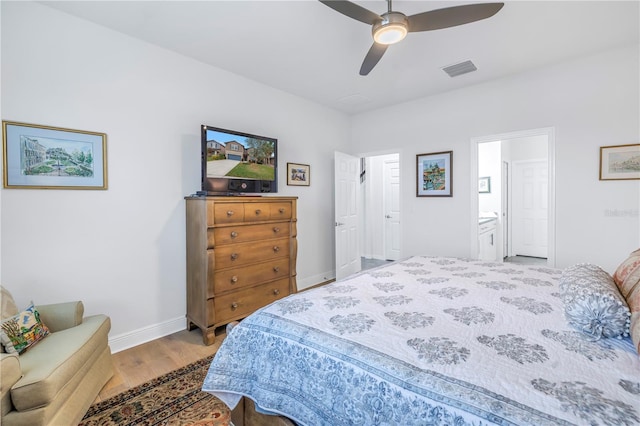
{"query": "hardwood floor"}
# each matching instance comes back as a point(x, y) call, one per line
point(142, 363)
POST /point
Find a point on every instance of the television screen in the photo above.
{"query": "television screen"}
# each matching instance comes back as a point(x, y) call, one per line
point(237, 162)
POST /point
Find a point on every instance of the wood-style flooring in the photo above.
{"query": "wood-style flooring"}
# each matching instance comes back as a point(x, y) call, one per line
point(145, 362)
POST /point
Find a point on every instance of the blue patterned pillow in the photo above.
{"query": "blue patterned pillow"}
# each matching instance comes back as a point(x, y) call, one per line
point(592, 302)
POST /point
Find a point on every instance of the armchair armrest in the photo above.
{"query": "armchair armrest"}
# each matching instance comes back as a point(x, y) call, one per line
point(10, 373)
point(60, 316)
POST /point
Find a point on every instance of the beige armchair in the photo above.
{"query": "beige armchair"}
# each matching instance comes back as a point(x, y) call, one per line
point(55, 381)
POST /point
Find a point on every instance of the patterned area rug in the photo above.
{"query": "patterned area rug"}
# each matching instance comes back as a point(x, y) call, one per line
point(173, 399)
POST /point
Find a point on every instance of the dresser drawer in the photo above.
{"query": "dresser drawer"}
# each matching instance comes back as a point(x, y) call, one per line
point(245, 233)
point(234, 255)
point(241, 303)
point(281, 211)
point(225, 213)
point(236, 278)
point(255, 212)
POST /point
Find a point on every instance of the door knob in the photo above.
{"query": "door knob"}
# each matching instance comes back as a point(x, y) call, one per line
point(388, 216)
point(339, 223)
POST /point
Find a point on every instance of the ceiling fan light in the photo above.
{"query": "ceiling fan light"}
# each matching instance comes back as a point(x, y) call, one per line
point(392, 28)
point(390, 34)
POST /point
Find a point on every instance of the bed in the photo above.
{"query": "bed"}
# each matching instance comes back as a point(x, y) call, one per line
point(429, 341)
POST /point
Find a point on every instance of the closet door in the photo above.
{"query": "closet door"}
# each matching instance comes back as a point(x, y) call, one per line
point(529, 208)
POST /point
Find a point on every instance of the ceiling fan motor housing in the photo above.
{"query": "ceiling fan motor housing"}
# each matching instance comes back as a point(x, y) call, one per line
point(392, 28)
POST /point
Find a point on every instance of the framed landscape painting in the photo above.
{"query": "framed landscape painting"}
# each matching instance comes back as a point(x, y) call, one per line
point(620, 162)
point(434, 174)
point(44, 157)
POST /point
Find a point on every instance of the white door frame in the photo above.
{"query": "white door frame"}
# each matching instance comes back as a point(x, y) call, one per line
point(506, 209)
point(391, 198)
point(549, 132)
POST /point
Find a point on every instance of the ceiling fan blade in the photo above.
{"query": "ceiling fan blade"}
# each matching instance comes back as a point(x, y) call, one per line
point(352, 10)
point(452, 16)
point(373, 57)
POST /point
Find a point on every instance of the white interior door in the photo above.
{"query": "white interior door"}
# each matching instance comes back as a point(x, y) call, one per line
point(505, 209)
point(347, 188)
point(529, 208)
point(391, 188)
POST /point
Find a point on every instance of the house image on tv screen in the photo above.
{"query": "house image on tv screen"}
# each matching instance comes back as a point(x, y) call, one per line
point(239, 157)
point(229, 150)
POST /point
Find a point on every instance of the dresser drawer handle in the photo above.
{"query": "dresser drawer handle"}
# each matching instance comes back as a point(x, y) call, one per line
point(234, 306)
point(234, 234)
point(234, 279)
point(276, 269)
point(276, 291)
point(258, 211)
point(230, 212)
point(281, 210)
point(276, 229)
point(234, 256)
point(276, 249)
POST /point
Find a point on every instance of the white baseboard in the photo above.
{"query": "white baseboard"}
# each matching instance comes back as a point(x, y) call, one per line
point(316, 279)
point(156, 331)
point(146, 334)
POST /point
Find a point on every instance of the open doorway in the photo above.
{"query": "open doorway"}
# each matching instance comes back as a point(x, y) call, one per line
point(367, 204)
point(380, 206)
point(512, 198)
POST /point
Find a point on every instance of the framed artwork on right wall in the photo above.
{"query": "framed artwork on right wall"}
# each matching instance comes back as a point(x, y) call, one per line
point(620, 162)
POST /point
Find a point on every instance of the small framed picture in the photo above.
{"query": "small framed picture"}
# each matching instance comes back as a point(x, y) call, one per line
point(484, 185)
point(298, 174)
point(620, 162)
point(434, 174)
point(44, 157)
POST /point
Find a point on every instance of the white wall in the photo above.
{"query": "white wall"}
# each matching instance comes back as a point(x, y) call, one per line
point(122, 251)
point(591, 102)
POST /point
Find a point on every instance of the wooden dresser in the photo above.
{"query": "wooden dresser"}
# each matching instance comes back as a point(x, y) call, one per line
point(241, 256)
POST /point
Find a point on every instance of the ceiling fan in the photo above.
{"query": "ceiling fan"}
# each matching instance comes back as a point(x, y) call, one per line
point(391, 27)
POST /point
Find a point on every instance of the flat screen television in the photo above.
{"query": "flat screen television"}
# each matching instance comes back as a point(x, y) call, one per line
point(235, 163)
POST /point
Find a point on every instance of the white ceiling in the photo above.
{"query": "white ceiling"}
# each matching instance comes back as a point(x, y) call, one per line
point(307, 49)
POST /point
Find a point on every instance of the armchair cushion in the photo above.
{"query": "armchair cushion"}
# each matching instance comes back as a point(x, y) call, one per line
point(57, 360)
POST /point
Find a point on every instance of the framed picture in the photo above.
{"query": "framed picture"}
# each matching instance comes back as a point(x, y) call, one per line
point(434, 174)
point(484, 185)
point(620, 162)
point(298, 174)
point(44, 157)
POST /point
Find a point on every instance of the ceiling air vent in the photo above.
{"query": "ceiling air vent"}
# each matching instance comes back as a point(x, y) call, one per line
point(460, 68)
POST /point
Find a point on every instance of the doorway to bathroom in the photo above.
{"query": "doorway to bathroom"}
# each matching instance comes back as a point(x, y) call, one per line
point(512, 198)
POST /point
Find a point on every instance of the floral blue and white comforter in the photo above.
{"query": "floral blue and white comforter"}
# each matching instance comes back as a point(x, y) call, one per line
point(429, 341)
